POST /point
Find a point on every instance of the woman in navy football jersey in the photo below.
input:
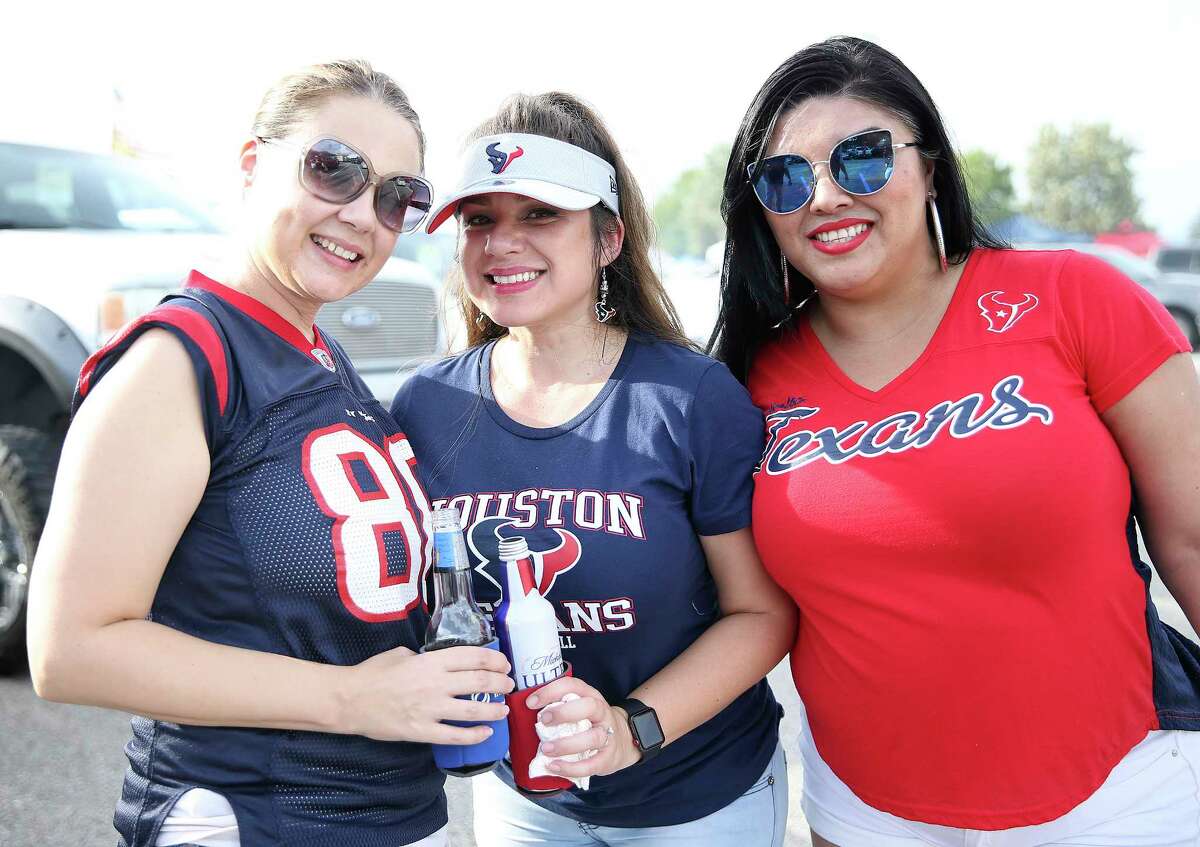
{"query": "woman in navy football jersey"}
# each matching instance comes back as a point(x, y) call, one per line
point(581, 418)
point(237, 537)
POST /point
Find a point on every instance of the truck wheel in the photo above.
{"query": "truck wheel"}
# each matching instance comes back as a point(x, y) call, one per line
point(28, 459)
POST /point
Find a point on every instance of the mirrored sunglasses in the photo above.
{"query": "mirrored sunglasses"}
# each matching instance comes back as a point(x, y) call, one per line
point(860, 164)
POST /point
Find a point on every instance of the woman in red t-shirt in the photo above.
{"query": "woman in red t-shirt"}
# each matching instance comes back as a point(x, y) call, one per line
point(955, 432)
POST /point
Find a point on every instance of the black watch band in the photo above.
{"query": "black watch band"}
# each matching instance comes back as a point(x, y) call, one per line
point(644, 726)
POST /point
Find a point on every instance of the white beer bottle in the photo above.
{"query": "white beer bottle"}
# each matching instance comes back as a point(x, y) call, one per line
point(527, 625)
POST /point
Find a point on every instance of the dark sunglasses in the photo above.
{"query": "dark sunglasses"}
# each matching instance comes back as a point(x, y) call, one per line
point(860, 164)
point(337, 173)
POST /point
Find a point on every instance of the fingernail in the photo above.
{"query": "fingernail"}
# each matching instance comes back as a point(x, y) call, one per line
point(488, 729)
point(554, 766)
point(533, 702)
point(548, 748)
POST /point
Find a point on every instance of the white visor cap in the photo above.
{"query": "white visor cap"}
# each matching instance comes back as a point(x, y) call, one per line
point(545, 169)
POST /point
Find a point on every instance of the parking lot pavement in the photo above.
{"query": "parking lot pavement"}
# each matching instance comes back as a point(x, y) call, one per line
point(60, 769)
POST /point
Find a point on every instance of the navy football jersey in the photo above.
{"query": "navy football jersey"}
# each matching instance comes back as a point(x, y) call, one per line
point(310, 541)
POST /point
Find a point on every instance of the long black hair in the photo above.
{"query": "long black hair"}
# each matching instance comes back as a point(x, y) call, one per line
point(752, 299)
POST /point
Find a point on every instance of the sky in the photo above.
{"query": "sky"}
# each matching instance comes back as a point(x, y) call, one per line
point(672, 80)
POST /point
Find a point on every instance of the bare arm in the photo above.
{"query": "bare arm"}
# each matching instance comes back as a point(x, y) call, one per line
point(1157, 426)
point(757, 627)
point(134, 467)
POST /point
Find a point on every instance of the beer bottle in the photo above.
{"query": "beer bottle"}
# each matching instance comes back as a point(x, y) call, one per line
point(457, 621)
point(526, 620)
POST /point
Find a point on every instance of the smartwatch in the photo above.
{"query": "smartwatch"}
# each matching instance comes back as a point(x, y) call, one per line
point(646, 730)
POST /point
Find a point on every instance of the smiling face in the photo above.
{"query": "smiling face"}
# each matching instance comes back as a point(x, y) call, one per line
point(847, 244)
point(527, 263)
point(311, 251)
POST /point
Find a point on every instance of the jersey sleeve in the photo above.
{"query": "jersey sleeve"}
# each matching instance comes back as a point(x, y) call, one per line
point(1114, 330)
point(206, 346)
point(725, 439)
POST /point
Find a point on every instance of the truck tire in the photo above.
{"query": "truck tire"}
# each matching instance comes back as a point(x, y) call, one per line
point(28, 459)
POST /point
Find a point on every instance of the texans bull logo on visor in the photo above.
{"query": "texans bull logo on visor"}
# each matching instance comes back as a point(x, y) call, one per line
point(501, 160)
point(484, 541)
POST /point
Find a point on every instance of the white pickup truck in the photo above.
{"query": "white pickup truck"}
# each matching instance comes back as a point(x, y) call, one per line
point(88, 242)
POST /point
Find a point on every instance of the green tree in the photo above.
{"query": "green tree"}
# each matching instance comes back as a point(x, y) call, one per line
point(1082, 180)
point(688, 215)
point(989, 182)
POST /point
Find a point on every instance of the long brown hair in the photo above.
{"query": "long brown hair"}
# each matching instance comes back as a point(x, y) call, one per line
point(634, 289)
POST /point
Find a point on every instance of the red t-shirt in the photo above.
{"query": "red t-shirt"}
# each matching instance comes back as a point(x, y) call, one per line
point(973, 645)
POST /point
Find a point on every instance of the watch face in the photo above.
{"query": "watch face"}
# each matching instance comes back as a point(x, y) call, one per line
point(649, 733)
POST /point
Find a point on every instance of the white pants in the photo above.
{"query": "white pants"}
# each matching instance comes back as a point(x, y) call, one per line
point(1151, 799)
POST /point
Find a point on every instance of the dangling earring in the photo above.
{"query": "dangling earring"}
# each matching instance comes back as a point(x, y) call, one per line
point(480, 318)
point(937, 232)
point(787, 285)
point(603, 310)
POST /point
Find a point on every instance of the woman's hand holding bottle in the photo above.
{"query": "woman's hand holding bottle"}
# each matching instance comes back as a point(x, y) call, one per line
point(400, 695)
point(609, 734)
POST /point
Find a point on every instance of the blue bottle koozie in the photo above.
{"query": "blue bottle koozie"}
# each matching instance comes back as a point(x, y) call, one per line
point(469, 760)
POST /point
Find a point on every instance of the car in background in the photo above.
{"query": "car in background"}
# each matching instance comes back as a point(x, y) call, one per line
point(1185, 259)
point(88, 242)
point(1178, 292)
point(438, 254)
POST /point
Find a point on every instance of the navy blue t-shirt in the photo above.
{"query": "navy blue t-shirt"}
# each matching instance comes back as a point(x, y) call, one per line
point(612, 502)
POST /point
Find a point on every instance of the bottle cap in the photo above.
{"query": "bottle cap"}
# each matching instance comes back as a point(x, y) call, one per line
point(513, 549)
point(446, 519)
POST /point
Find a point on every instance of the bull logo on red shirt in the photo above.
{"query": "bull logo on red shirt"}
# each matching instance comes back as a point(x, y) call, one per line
point(1002, 314)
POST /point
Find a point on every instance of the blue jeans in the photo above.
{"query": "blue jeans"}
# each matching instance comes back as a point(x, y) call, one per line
point(503, 818)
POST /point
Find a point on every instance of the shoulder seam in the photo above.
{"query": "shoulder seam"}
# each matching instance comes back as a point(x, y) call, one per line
point(196, 327)
point(1062, 325)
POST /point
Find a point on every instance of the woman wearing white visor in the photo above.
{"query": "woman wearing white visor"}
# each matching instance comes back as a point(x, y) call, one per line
point(581, 418)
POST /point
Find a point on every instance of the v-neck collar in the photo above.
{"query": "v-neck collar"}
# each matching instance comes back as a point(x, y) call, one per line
point(811, 342)
point(316, 350)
